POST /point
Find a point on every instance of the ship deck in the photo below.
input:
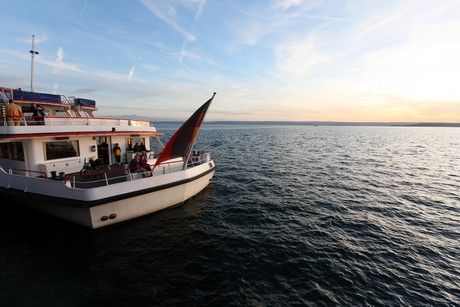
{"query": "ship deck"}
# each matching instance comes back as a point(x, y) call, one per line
point(114, 173)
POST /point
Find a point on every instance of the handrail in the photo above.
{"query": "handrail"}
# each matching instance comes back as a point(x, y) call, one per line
point(78, 120)
point(105, 175)
point(198, 159)
point(10, 171)
point(98, 176)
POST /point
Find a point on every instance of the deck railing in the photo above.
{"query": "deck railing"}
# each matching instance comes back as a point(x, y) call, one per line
point(74, 121)
point(107, 177)
point(129, 174)
point(198, 158)
point(27, 172)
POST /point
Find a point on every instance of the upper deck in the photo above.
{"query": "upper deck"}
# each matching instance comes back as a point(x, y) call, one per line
point(63, 116)
point(75, 126)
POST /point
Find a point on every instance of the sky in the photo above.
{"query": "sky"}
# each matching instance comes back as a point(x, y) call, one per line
point(285, 60)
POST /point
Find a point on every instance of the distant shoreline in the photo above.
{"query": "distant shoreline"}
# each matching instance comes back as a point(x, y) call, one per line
point(298, 123)
point(318, 123)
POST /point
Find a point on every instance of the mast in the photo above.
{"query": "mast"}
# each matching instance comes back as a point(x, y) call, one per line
point(33, 53)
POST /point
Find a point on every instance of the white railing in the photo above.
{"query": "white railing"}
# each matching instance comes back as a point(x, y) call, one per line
point(104, 178)
point(78, 121)
point(198, 159)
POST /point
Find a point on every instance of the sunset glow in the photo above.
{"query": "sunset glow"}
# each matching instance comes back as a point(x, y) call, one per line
point(277, 60)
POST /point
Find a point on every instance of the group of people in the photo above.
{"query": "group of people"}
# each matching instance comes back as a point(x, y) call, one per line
point(139, 147)
point(139, 164)
point(14, 113)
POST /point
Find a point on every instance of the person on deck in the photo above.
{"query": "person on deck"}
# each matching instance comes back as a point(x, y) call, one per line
point(117, 153)
point(142, 147)
point(134, 166)
point(38, 113)
point(144, 163)
point(14, 113)
point(104, 152)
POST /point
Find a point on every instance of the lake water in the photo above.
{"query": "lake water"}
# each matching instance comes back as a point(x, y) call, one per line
point(296, 215)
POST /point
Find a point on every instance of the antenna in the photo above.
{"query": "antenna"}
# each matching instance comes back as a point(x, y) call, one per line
point(33, 53)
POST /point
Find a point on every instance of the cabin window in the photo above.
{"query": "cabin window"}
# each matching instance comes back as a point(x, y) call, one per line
point(61, 149)
point(12, 151)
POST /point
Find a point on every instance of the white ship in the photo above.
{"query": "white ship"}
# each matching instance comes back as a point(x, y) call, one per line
point(63, 162)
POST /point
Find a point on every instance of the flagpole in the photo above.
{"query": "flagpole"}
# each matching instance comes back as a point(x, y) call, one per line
point(33, 53)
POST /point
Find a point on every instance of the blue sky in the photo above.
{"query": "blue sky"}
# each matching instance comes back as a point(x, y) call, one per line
point(344, 60)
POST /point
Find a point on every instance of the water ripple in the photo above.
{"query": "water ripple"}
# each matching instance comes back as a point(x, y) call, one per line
point(295, 216)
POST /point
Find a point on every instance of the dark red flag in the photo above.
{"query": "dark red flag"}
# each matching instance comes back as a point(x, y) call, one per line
point(182, 141)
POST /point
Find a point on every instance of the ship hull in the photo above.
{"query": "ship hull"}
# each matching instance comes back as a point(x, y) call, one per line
point(115, 203)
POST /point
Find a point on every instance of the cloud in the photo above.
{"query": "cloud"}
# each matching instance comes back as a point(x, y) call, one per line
point(60, 55)
point(199, 11)
point(299, 58)
point(131, 72)
point(420, 64)
point(285, 4)
point(83, 9)
point(280, 22)
point(168, 13)
point(59, 64)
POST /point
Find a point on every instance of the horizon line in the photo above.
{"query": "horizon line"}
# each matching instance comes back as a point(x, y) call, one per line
point(325, 123)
